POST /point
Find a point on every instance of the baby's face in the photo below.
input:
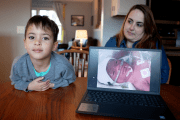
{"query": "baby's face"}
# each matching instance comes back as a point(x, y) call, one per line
point(39, 42)
point(114, 65)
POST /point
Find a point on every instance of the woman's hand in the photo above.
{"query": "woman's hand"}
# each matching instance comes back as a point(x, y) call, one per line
point(38, 85)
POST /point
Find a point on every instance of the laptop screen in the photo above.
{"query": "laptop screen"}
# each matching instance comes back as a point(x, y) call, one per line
point(124, 69)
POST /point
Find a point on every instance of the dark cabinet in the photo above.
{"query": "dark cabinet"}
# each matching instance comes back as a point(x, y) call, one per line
point(175, 74)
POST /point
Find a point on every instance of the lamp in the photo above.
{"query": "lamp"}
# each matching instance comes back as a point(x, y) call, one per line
point(81, 34)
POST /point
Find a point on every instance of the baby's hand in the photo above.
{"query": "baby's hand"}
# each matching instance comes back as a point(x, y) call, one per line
point(38, 85)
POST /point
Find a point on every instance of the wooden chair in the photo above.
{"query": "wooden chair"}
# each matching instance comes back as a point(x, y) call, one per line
point(78, 48)
point(170, 66)
point(79, 60)
point(62, 47)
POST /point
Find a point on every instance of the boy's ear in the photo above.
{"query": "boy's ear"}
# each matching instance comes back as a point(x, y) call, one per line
point(24, 43)
point(55, 45)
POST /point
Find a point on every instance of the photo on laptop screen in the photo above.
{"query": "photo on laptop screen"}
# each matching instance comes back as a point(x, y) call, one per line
point(120, 69)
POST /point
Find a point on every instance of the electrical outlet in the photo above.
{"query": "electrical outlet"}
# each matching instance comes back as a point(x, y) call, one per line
point(20, 29)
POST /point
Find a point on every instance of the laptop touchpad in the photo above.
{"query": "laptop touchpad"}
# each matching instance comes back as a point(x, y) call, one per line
point(86, 107)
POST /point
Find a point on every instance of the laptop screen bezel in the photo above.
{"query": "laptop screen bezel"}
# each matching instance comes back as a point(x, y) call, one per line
point(156, 62)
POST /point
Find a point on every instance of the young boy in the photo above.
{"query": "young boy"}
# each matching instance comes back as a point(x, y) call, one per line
point(41, 68)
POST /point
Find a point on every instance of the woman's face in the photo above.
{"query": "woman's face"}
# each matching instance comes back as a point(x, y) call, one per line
point(114, 66)
point(134, 26)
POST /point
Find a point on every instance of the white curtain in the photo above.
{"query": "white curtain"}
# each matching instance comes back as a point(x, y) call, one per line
point(59, 10)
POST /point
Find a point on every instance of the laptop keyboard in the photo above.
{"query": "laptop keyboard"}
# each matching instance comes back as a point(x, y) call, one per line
point(124, 98)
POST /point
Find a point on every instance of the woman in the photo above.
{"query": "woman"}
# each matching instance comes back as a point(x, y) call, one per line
point(139, 31)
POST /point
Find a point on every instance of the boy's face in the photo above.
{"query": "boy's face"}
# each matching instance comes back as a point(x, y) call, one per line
point(39, 43)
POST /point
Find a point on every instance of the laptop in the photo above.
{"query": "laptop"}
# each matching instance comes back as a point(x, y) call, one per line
point(124, 83)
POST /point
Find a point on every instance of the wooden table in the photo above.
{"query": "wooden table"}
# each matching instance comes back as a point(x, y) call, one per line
point(61, 103)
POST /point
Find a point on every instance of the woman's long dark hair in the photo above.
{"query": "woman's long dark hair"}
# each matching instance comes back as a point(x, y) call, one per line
point(151, 35)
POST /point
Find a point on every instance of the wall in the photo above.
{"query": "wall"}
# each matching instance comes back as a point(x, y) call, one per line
point(95, 12)
point(13, 13)
point(72, 8)
point(78, 8)
point(96, 31)
point(111, 25)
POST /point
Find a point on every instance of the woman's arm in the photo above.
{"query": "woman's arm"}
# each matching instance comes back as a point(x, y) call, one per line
point(164, 67)
point(111, 42)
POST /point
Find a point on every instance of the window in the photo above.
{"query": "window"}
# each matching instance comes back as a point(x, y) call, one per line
point(34, 12)
point(53, 16)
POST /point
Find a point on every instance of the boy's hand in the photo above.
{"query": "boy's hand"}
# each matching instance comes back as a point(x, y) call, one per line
point(38, 85)
point(51, 85)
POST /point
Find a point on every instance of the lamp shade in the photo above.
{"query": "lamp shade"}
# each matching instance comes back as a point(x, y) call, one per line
point(81, 34)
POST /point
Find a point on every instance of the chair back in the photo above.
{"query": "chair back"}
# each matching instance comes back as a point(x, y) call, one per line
point(79, 60)
point(170, 70)
point(62, 47)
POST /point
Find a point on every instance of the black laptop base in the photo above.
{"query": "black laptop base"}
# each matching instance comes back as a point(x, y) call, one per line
point(124, 111)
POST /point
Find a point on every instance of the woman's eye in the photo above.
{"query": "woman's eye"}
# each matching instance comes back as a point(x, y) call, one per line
point(130, 21)
point(45, 38)
point(139, 25)
point(31, 37)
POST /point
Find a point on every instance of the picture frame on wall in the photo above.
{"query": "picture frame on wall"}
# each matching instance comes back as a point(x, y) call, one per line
point(77, 20)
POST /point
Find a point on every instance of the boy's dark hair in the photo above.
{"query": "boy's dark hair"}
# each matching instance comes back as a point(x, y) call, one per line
point(46, 23)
